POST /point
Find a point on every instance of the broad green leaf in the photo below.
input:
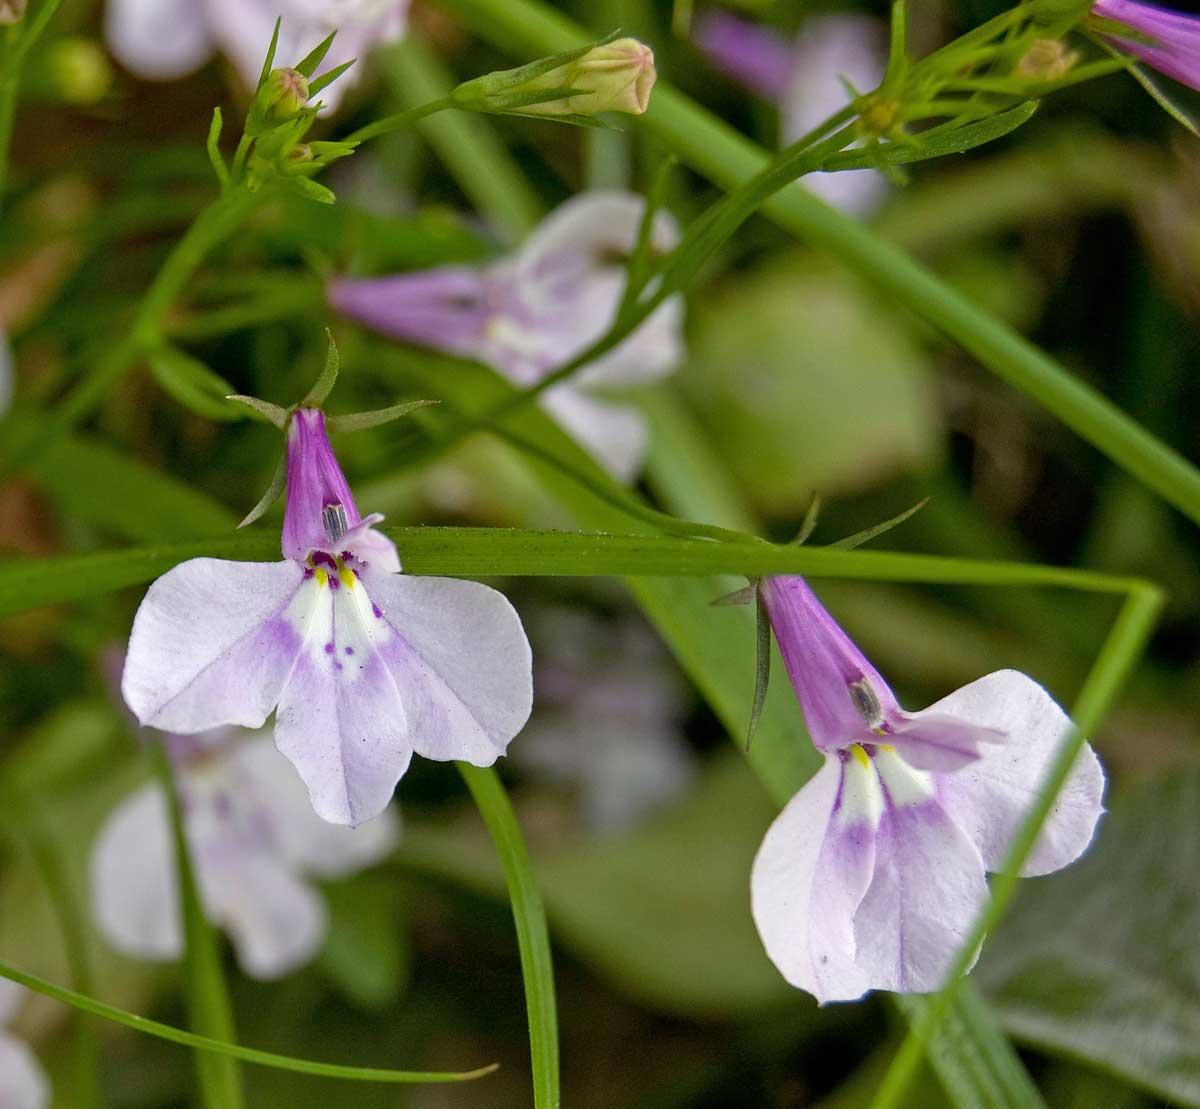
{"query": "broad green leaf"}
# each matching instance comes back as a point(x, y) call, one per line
point(92, 481)
point(804, 385)
point(668, 933)
point(366, 951)
point(1100, 962)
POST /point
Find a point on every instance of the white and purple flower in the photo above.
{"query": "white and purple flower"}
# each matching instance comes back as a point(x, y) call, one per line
point(365, 665)
point(535, 310)
point(254, 842)
point(804, 79)
point(164, 39)
point(23, 1083)
point(1168, 41)
point(873, 874)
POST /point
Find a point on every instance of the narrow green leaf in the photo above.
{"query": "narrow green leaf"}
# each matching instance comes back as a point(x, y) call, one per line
point(308, 64)
point(923, 148)
point(324, 384)
point(809, 524)
point(328, 77)
point(762, 663)
point(214, 149)
point(865, 536)
point(744, 596)
point(360, 421)
point(263, 409)
point(209, 1010)
point(269, 62)
point(533, 938)
point(278, 481)
point(232, 1051)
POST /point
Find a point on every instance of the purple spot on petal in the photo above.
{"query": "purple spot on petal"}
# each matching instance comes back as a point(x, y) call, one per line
point(375, 609)
point(349, 650)
point(329, 648)
point(338, 666)
point(321, 558)
point(308, 573)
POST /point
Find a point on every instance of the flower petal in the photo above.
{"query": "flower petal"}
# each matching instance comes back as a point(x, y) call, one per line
point(23, 1083)
point(158, 39)
point(133, 879)
point(12, 997)
point(307, 842)
point(213, 643)
point(928, 887)
point(787, 900)
point(989, 798)
point(615, 434)
point(277, 923)
point(461, 662)
point(341, 719)
point(932, 740)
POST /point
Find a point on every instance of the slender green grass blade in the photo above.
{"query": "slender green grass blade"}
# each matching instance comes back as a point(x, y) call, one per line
point(533, 939)
point(234, 1051)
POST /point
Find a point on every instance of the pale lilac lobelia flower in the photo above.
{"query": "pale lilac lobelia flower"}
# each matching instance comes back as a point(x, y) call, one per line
point(536, 309)
point(805, 80)
point(1167, 41)
point(254, 842)
point(23, 1083)
point(364, 664)
point(164, 39)
point(873, 874)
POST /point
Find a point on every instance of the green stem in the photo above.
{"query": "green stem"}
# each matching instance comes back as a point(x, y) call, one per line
point(715, 150)
point(233, 1051)
point(533, 937)
point(400, 120)
point(1116, 660)
point(209, 1009)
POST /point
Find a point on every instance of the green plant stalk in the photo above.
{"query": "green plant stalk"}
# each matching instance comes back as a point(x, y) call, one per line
point(1119, 655)
point(478, 551)
point(16, 40)
point(533, 938)
point(233, 1051)
point(715, 150)
point(206, 992)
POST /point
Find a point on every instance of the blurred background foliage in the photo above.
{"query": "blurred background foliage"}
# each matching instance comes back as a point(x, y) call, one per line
point(1083, 231)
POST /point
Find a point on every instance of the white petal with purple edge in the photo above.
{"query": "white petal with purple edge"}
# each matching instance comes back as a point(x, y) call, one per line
point(134, 899)
point(213, 643)
point(783, 891)
point(989, 798)
point(461, 662)
point(927, 890)
point(306, 841)
point(23, 1083)
point(342, 721)
point(158, 39)
point(276, 921)
point(933, 740)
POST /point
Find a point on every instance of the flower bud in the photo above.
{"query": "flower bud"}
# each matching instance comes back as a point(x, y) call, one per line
point(11, 11)
point(608, 77)
point(280, 98)
point(1047, 60)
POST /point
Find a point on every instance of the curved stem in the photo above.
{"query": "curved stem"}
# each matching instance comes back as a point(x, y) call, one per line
point(533, 938)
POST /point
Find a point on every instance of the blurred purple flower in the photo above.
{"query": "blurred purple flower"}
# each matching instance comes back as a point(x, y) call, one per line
point(365, 664)
point(804, 79)
point(164, 39)
point(254, 842)
point(537, 308)
point(1174, 46)
point(23, 1083)
point(874, 872)
point(608, 721)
